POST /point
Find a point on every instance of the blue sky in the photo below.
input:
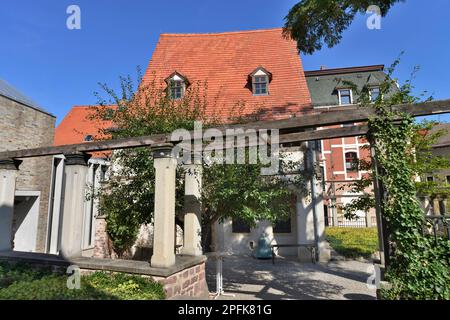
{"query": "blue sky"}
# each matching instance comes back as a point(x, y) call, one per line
point(60, 68)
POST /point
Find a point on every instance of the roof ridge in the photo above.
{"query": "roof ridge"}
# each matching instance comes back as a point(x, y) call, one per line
point(11, 92)
point(219, 33)
point(345, 69)
point(92, 105)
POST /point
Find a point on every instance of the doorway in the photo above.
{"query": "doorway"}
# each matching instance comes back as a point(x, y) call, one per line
point(25, 220)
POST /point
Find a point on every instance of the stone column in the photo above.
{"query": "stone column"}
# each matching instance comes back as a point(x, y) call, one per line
point(164, 213)
point(305, 223)
point(310, 213)
point(192, 245)
point(8, 174)
point(75, 175)
point(322, 245)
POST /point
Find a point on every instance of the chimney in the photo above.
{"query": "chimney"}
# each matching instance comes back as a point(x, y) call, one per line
point(323, 67)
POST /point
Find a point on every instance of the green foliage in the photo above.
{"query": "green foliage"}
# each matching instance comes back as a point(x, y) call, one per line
point(353, 242)
point(419, 268)
point(127, 199)
point(312, 22)
point(239, 191)
point(23, 282)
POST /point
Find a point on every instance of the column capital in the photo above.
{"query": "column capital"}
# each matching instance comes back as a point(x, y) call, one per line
point(10, 164)
point(163, 150)
point(77, 158)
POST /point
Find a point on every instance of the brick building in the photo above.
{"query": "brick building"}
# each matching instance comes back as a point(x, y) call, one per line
point(23, 124)
point(334, 89)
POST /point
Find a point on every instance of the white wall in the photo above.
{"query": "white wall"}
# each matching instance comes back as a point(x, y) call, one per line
point(26, 214)
point(239, 243)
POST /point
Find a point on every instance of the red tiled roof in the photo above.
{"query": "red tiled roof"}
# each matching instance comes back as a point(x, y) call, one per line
point(225, 61)
point(77, 124)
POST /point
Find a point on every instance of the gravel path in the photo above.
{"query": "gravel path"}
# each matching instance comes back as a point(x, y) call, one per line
point(251, 279)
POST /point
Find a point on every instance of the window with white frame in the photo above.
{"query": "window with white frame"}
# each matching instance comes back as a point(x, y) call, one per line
point(374, 93)
point(260, 81)
point(351, 161)
point(345, 96)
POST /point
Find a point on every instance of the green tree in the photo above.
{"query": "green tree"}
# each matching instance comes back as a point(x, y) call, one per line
point(314, 22)
point(229, 191)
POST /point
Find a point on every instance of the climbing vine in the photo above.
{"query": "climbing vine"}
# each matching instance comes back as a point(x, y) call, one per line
point(419, 267)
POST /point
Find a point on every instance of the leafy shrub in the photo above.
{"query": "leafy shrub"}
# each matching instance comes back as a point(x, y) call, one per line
point(23, 282)
point(353, 242)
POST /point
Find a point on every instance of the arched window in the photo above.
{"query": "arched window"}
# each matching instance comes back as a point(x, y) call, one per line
point(351, 161)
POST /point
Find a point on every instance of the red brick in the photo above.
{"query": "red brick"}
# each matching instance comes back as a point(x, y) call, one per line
point(169, 292)
point(171, 280)
point(186, 284)
point(194, 279)
point(177, 290)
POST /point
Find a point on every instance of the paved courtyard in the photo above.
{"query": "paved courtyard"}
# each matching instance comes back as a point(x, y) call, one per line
point(250, 279)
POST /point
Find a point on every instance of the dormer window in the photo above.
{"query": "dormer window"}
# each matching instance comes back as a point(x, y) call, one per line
point(374, 93)
point(345, 96)
point(260, 81)
point(176, 85)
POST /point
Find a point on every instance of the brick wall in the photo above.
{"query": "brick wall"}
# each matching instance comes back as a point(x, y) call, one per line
point(22, 127)
point(101, 241)
point(189, 282)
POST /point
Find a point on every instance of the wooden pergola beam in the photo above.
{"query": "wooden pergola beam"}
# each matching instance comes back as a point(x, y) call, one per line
point(294, 128)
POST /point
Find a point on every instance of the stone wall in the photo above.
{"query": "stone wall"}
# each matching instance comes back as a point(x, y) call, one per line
point(23, 127)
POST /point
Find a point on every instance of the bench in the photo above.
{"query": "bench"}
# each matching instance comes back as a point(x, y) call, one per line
point(310, 247)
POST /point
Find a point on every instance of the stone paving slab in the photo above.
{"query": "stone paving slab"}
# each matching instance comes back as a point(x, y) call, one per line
point(252, 279)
